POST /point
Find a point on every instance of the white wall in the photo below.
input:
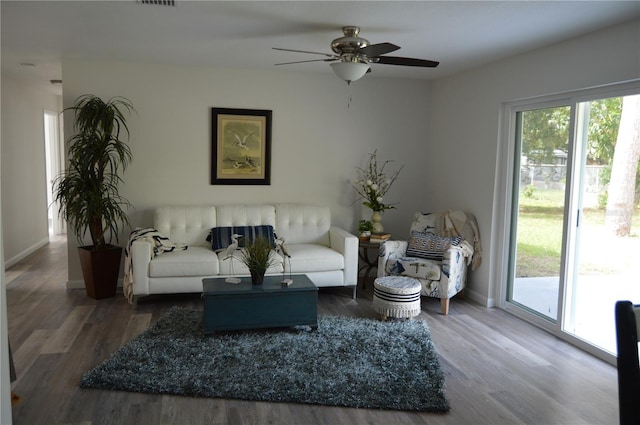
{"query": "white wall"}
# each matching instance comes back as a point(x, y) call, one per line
point(317, 140)
point(24, 198)
point(23, 209)
point(464, 121)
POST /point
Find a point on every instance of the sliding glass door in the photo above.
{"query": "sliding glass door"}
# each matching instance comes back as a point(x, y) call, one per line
point(606, 256)
point(542, 137)
point(574, 239)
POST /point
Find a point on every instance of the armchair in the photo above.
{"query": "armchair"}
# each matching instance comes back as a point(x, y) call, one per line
point(440, 249)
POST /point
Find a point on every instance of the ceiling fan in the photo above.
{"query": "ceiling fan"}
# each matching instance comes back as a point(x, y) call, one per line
point(353, 55)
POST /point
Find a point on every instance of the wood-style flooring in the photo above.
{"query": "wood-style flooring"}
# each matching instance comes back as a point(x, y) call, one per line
point(498, 369)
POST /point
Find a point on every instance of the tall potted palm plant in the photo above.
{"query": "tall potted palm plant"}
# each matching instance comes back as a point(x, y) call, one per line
point(87, 192)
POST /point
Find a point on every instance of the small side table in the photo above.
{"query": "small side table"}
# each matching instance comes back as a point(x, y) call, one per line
point(366, 250)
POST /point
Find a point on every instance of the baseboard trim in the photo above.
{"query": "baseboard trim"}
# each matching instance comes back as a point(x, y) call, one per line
point(75, 284)
point(24, 254)
point(479, 298)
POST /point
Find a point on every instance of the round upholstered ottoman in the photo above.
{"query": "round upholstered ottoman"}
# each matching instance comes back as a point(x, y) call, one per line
point(396, 296)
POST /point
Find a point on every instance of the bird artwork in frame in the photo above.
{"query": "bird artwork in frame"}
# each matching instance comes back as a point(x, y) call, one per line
point(240, 146)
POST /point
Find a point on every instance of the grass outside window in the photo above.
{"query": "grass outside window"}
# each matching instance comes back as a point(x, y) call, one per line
point(540, 238)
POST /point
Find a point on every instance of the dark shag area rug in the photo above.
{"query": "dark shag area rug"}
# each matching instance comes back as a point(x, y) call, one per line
point(345, 362)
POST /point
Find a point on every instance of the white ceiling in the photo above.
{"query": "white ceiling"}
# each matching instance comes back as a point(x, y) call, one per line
point(460, 34)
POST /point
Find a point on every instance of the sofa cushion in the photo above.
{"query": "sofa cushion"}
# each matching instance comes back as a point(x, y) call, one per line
point(312, 258)
point(188, 225)
point(428, 245)
point(235, 266)
point(303, 224)
point(245, 215)
point(220, 237)
point(196, 261)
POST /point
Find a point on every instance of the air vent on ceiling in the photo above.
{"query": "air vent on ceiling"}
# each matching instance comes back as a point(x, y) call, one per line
point(159, 2)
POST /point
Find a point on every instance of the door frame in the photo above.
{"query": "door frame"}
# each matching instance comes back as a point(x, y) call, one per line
point(502, 222)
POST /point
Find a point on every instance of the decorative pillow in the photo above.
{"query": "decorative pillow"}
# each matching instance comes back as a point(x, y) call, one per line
point(220, 237)
point(428, 245)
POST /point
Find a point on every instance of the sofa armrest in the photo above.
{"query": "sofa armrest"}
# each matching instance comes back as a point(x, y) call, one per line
point(390, 250)
point(346, 244)
point(141, 252)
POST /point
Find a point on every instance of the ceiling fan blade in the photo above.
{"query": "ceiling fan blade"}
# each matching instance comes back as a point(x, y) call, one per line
point(373, 50)
point(310, 60)
point(305, 51)
point(396, 60)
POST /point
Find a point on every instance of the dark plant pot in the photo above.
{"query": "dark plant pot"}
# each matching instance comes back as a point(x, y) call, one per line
point(257, 276)
point(100, 270)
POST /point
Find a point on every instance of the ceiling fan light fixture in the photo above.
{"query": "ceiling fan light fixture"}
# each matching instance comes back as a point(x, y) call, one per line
point(350, 71)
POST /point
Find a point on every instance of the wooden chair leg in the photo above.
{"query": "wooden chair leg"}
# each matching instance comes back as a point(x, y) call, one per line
point(15, 399)
point(444, 306)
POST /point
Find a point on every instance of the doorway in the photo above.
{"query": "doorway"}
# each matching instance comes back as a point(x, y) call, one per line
point(54, 165)
point(569, 258)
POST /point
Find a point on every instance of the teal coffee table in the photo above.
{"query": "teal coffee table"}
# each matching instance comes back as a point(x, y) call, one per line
point(229, 306)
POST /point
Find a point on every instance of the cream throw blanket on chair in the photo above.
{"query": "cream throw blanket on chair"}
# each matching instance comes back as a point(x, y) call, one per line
point(459, 223)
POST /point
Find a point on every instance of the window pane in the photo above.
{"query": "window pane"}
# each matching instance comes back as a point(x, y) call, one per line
point(543, 142)
point(608, 246)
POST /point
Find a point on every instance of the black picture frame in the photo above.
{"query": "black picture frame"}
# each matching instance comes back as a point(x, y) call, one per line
point(240, 146)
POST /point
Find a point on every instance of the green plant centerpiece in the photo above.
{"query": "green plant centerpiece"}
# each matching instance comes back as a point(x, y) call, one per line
point(258, 258)
point(365, 227)
point(87, 191)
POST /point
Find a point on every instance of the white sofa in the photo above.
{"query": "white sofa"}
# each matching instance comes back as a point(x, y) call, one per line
point(326, 254)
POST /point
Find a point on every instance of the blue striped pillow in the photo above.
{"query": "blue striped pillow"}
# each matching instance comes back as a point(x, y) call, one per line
point(429, 245)
point(220, 237)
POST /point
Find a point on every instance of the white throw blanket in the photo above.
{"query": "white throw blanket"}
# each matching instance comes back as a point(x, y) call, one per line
point(454, 223)
point(159, 243)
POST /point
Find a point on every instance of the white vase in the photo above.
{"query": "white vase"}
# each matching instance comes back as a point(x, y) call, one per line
point(376, 220)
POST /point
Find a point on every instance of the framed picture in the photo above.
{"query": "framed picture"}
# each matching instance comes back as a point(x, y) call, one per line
point(240, 146)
